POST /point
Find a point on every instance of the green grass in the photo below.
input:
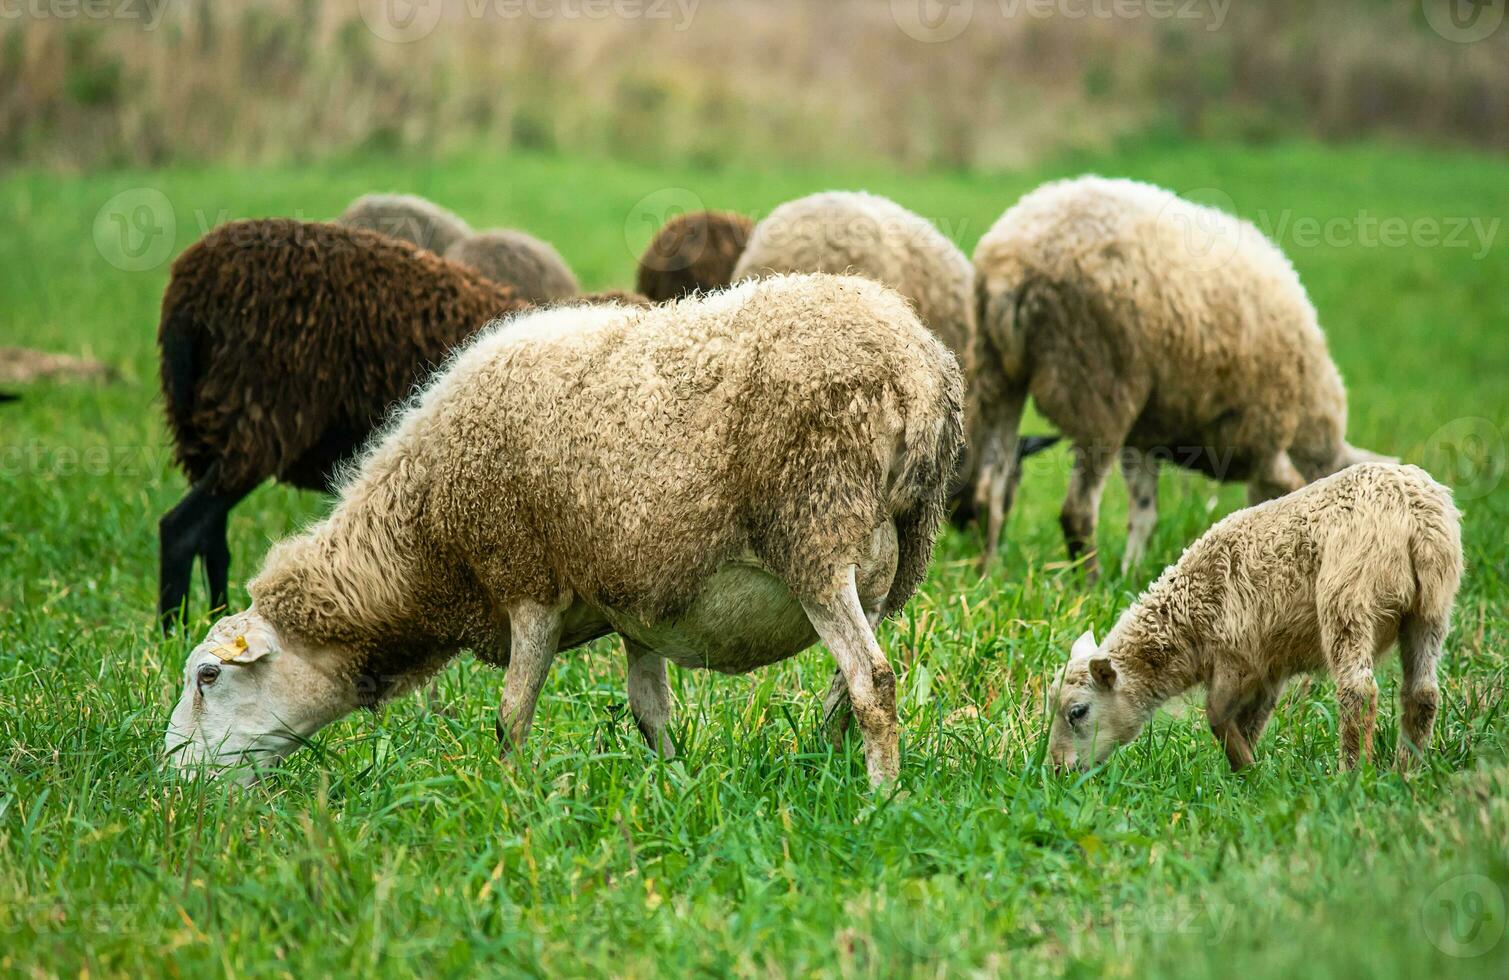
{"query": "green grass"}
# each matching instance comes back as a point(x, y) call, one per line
point(399, 845)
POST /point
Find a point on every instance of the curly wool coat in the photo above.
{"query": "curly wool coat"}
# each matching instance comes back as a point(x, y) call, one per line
point(1326, 578)
point(692, 253)
point(622, 456)
point(1137, 319)
point(285, 343)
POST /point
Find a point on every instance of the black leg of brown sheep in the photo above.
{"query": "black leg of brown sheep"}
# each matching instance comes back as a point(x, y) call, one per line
point(195, 527)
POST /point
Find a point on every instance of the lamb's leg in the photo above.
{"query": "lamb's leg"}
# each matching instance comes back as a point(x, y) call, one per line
point(1349, 656)
point(999, 471)
point(650, 697)
point(1273, 477)
point(534, 633)
point(1092, 464)
point(1420, 641)
point(1223, 709)
point(1140, 471)
point(839, 619)
point(1253, 717)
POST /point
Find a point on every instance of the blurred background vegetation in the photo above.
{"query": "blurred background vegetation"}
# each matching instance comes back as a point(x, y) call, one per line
point(710, 82)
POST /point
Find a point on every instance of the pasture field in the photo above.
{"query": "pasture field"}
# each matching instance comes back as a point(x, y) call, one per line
point(399, 845)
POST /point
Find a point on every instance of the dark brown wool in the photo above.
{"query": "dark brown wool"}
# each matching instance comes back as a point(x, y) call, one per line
point(284, 344)
point(693, 252)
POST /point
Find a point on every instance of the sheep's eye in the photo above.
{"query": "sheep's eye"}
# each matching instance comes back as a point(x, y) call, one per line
point(1077, 713)
point(207, 674)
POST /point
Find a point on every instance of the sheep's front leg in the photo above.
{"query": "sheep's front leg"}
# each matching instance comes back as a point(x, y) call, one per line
point(1224, 704)
point(534, 634)
point(840, 621)
point(1092, 464)
point(1140, 471)
point(650, 697)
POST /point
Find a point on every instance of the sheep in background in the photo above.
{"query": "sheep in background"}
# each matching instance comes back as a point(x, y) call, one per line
point(1325, 578)
point(872, 236)
point(283, 345)
point(1150, 329)
point(532, 267)
point(750, 473)
point(406, 217)
point(693, 252)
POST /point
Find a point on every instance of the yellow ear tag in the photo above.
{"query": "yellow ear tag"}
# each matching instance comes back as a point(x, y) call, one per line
point(230, 651)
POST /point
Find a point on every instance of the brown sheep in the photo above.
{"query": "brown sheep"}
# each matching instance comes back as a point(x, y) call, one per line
point(693, 252)
point(1326, 578)
point(756, 470)
point(283, 345)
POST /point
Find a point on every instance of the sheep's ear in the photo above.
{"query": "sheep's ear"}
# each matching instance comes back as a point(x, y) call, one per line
point(1084, 646)
point(1103, 672)
point(244, 650)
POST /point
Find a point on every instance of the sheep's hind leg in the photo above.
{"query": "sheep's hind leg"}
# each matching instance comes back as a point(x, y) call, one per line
point(1348, 645)
point(1140, 472)
point(840, 621)
point(650, 697)
point(534, 634)
point(1092, 464)
point(837, 711)
point(1420, 642)
point(999, 469)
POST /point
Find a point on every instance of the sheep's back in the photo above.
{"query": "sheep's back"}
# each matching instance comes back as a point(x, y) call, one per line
point(628, 459)
point(297, 339)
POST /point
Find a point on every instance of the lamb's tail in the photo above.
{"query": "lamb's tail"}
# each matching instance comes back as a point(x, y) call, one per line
point(1435, 547)
point(920, 495)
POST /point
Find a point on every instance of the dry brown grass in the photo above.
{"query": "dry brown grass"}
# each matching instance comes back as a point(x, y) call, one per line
point(716, 80)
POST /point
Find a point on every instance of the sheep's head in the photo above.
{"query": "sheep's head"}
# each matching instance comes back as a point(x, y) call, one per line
point(1092, 714)
point(250, 697)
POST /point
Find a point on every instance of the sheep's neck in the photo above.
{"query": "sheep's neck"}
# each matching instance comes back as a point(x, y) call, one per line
point(1153, 652)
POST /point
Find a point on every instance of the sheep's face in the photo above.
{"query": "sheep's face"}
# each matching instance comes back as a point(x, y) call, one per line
point(250, 697)
point(1092, 715)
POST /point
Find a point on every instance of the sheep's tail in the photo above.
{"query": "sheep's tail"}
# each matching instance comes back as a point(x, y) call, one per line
point(181, 343)
point(919, 496)
point(1435, 547)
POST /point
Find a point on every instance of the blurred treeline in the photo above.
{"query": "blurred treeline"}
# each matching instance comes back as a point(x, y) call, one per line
point(796, 80)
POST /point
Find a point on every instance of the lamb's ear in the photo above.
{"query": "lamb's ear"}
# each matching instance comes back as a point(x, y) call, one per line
point(1084, 646)
point(1103, 672)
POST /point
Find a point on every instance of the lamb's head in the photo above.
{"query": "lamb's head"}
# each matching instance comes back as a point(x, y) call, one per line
point(250, 697)
point(1092, 713)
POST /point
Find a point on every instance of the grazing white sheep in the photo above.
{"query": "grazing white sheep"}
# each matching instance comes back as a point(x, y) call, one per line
point(407, 217)
point(1152, 330)
point(722, 481)
point(1326, 578)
